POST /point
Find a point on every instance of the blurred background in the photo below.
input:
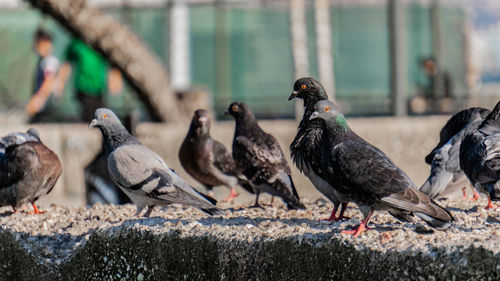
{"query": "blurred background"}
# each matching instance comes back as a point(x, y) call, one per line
point(377, 58)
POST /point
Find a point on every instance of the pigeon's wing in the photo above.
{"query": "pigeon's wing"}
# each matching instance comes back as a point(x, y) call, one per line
point(258, 163)
point(367, 169)
point(491, 160)
point(457, 123)
point(370, 171)
point(17, 162)
point(222, 159)
point(143, 172)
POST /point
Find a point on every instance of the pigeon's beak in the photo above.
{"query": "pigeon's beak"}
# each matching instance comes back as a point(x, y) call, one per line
point(202, 119)
point(293, 95)
point(314, 115)
point(93, 123)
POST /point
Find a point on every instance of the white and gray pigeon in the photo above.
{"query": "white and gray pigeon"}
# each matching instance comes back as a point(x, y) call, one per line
point(141, 173)
point(480, 156)
point(444, 159)
point(18, 138)
point(260, 158)
point(367, 176)
point(306, 146)
point(28, 169)
point(207, 160)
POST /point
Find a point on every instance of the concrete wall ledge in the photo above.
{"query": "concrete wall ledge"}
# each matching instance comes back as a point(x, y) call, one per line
point(176, 243)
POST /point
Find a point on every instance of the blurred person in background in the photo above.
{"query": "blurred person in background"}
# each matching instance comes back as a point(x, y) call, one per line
point(90, 77)
point(429, 100)
point(45, 76)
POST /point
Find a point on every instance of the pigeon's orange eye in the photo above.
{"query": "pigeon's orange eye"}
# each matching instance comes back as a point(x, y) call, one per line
point(303, 86)
point(104, 116)
point(327, 109)
point(234, 108)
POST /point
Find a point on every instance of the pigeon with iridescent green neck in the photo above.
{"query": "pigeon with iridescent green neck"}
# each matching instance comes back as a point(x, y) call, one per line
point(366, 176)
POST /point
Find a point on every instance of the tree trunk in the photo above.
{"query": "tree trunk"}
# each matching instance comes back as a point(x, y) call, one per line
point(124, 50)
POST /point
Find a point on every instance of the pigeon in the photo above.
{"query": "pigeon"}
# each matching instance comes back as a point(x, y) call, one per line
point(208, 160)
point(28, 170)
point(445, 157)
point(99, 187)
point(306, 145)
point(367, 177)
point(141, 173)
point(480, 156)
point(18, 138)
point(261, 159)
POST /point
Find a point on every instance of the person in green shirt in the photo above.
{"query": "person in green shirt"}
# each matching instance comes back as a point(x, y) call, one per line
point(90, 77)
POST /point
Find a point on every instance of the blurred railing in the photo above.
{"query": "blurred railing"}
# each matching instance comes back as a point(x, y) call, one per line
point(243, 50)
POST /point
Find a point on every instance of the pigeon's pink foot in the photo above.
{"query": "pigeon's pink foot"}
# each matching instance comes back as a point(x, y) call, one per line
point(332, 217)
point(491, 205)
point(36, 211)
point(360, 228)
point(464, 192)
point(231, 196)
point(357, 230)
point(475, 197)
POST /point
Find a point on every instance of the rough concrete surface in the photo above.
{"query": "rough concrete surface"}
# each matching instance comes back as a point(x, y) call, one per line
point(178, 243)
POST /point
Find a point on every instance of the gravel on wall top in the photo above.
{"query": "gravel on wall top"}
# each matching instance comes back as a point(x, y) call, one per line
point(56, 235)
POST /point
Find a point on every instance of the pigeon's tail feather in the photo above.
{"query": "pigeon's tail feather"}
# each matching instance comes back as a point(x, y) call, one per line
point(402, 216)
point(246, 185)
point(414, 201)
point(437, 216)
point(292, 201)
point(212, 211)
point(436, 183)
point(209, 198)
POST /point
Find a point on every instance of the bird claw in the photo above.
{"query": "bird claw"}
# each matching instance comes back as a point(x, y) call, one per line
point(491, 206)
point(475, 197)
point(36, 211)
point(231, 197)
point(357, 230)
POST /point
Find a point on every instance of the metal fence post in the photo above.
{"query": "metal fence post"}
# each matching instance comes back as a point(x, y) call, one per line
point(324, 46)
point(299, 46)
point(397, 30)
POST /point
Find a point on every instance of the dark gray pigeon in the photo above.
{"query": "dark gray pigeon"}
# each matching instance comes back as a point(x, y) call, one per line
point(141, 173)
point(260, 158)
point(306, 146)
point(445, 157)
point(367, 176)
point(208, 160)
point(28, 170)
point(480, 156)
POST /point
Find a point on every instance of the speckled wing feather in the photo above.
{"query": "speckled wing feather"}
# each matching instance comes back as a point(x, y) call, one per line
point(259, 162)
point(222, 159)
